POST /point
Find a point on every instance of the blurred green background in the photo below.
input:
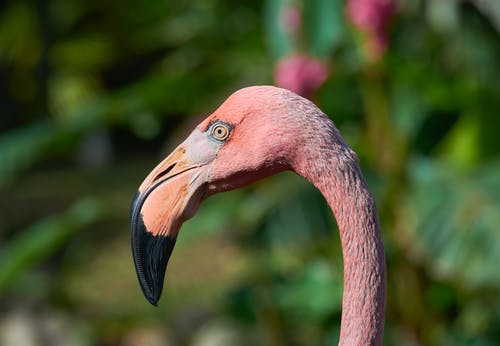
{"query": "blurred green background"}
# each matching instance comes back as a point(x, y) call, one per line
point(94, 93)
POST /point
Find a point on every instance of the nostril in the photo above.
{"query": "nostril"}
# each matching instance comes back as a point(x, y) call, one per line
point(161, 174)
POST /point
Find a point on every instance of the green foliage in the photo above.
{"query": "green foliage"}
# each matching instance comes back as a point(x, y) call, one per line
point(280, 43)
point(451, 215)
point(42, 239)
point(93, 94)
point(325, 25)
point(22, 148)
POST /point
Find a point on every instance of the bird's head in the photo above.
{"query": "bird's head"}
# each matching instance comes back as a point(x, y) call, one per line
point(242, 141)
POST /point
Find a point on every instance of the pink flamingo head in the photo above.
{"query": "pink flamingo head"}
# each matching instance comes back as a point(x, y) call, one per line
point(256, 132)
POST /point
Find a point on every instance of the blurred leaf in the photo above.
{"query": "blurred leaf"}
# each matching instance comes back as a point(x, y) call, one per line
point(35, 244)
point(70, 92)
point(325, 25)
point(461, 146)
point(474, 64)
point(21, 148)
point(408, 110)
point(313, 294)
point(19, 41)
point(452, 220)
point(83, 53)
point(491, 9)
point(278, 39)
point(443, 15)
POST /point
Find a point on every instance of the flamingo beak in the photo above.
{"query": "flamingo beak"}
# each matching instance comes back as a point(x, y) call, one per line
point(169, 195)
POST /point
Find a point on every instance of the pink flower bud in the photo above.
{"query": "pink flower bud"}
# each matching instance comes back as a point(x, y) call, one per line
point(372, 17)
point(300, 73)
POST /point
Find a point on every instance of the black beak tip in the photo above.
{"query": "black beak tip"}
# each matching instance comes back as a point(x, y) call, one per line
point(152, 300)
point(151, 254)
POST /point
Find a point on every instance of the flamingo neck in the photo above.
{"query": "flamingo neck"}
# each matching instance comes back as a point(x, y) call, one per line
point(334, 170)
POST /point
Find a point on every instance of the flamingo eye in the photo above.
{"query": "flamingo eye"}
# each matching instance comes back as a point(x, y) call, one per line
point(219, 131)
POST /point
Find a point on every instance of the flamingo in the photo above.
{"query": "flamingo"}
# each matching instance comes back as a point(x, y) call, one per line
point(257, 132)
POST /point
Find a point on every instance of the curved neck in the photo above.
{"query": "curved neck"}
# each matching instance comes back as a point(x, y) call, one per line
point(334, 170)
